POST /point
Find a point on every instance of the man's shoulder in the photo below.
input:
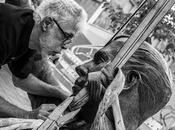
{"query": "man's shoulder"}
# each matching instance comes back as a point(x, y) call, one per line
point(22, 66)
point(13, 15)
point(16, 25)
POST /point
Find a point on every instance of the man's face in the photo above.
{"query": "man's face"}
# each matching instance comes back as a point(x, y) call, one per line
point(56, 38)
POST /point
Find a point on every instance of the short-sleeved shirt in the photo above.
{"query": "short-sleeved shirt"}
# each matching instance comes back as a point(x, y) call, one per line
point(16, 26)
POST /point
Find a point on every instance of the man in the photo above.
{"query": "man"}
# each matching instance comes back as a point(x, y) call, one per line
point(24, 33)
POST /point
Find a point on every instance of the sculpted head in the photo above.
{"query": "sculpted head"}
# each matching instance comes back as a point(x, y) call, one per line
point(148, 81)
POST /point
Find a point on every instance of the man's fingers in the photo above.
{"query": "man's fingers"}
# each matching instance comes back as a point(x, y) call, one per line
point(44, 113)
point(48, 107)
point(45, 110)
point(42, 117)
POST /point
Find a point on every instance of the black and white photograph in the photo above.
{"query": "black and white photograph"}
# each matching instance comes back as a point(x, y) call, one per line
point(87, 64)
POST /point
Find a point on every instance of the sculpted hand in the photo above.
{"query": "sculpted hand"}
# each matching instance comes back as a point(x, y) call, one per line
point(81, 81)
point(98, 81)
point(79, 84)
point(95, 89)
point(108, 75)
point(82, 71)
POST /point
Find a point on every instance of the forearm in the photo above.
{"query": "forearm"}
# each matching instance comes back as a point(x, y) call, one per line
point(35, 86)
point(10, 110)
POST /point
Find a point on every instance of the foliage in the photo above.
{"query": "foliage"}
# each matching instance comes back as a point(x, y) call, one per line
point(164, 30)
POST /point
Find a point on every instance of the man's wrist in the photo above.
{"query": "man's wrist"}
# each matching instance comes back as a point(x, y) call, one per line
point(30, 115)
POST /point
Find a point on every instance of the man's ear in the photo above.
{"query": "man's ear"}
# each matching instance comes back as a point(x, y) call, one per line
point(36, 17)
point(45, 23)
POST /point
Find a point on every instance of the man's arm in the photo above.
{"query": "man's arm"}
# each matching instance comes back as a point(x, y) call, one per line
point(33, 85)
point(42, 81)
point(9, 110)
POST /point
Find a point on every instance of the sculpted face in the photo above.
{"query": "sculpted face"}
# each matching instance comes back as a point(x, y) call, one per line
point(148, 81)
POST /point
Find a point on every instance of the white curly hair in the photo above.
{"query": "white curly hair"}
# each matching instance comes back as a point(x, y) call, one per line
point(66, 12)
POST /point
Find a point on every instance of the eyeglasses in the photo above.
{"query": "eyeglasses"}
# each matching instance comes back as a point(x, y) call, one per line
point(50, 20)
point(67, 36)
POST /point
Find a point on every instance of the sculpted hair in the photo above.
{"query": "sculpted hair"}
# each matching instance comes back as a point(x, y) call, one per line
point(155, 82)
point(154, 76)
point(67, 12)
point(146, 60)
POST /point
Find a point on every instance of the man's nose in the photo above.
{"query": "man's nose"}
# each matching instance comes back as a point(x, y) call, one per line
point(69, 41)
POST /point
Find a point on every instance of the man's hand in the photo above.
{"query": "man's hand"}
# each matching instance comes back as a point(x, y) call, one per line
point(43, 111)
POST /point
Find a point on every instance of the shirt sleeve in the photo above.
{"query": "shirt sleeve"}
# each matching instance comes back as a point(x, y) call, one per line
point(22, 66)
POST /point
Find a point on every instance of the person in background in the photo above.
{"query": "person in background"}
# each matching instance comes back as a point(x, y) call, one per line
point(27, 36)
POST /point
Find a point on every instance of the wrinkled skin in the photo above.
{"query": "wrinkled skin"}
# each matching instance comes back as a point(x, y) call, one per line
point(148, 81)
